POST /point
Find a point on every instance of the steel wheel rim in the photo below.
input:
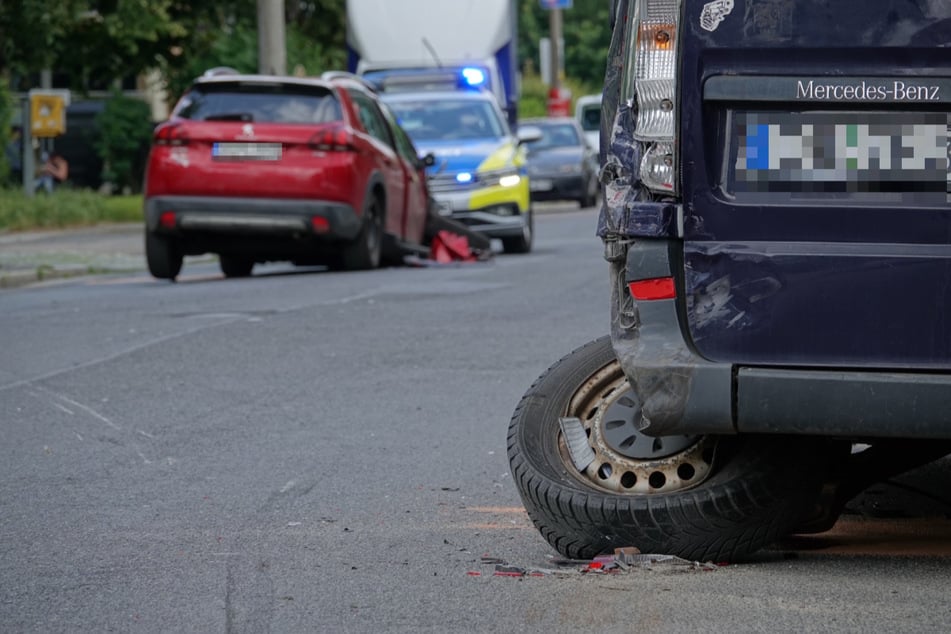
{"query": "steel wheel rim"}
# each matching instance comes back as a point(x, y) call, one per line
point(625, 460)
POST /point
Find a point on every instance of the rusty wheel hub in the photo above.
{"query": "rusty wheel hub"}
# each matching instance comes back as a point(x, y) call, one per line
point(619, 457)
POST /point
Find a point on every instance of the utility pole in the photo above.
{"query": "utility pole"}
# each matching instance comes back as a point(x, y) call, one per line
point(559, 99)
point(554, 34)
point(272, 47)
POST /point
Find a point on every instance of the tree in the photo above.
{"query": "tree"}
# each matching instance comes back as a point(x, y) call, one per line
point(29, 32)
point(91, 42)
point(587, 34)
point(125, 132)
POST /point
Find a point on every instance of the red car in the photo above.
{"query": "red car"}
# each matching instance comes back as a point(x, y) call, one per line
point(260, 168)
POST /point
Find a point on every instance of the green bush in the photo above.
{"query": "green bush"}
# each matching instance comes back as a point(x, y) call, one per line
point(125, 126)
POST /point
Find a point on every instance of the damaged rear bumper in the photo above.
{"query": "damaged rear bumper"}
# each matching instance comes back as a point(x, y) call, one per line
point(684, 393)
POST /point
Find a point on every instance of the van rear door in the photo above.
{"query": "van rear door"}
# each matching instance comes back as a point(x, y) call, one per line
point(814, 144)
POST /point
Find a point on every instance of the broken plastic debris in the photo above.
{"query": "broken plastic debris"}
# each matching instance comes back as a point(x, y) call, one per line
point(577, 441)
point(509, 571)
point(622, 560)
point(486, 559)
point(628, 557)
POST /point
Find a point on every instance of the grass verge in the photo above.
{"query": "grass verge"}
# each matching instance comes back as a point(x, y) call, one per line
point(65, 208)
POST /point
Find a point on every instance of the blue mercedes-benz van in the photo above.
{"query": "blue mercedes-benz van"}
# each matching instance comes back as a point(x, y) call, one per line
point(777, 220)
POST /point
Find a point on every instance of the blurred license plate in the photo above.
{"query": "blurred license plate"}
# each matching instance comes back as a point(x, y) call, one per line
point(256, 151)
point(842, 152)
point(539, 185)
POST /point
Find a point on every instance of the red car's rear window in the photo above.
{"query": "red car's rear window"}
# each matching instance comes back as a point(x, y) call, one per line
point(259, 102)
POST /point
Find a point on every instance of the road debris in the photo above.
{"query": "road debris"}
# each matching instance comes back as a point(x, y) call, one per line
point(448, 248)
point(623, 560)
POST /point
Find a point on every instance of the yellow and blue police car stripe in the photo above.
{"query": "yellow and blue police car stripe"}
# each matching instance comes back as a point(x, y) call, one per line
point(506, 155)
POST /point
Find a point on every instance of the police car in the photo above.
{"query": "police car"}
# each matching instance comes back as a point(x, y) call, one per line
point(479, 177)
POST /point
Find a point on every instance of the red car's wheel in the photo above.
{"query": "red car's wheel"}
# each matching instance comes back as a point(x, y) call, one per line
point(163, 255)
point(365, 251)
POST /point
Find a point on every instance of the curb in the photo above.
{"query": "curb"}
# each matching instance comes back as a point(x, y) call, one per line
point(25, 277)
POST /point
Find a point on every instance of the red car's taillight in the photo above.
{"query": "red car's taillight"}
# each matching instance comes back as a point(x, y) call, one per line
point(332, 139)
point(170, 134)
point(320, 224)
point(168, 220)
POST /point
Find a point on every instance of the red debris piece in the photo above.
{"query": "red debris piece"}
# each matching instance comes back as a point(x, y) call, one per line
point(451, 247)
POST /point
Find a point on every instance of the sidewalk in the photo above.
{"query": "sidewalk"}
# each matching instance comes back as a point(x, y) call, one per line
point(29, 257)
point(32, 256)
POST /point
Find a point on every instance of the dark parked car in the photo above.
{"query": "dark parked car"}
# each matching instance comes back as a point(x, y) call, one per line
point(776, 220)
point(258, 168)
point(562, 165)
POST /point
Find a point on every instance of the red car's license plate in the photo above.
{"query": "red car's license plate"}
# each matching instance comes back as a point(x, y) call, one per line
point(253, 151)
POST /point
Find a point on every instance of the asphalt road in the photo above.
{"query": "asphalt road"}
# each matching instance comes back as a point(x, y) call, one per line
point(306, 451)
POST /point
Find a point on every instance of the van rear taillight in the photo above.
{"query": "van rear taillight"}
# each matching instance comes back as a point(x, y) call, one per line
point(170, 134)
point(652, 289)
point(654, 55)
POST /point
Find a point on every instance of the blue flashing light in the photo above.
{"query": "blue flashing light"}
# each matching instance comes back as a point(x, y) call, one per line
point(464, 177)
point(473, 76)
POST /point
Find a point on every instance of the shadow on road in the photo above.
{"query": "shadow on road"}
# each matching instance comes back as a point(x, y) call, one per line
point(908, 515)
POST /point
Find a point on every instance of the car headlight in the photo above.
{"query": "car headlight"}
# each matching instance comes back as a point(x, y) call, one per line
point(510, 180)
point(508, 177)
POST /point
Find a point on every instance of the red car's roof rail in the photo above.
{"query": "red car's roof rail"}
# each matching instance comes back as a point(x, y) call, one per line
point(332, 75)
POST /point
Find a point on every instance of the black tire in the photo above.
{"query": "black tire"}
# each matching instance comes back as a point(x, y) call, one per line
point(235, 266)
point(163, 255)
point(522, 243)
point(365, 251)
point(720, 499)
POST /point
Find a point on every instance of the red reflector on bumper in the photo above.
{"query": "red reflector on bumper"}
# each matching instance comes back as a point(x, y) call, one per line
point(167, 219)
point(320, 224)
point(656, 288)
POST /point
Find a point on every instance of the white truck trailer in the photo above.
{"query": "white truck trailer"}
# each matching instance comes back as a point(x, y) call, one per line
point(435, 44)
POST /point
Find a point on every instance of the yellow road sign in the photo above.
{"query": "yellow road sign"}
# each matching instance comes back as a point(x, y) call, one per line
point(48, 112)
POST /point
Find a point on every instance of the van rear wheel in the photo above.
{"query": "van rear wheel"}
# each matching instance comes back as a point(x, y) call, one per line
point(591, 482)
